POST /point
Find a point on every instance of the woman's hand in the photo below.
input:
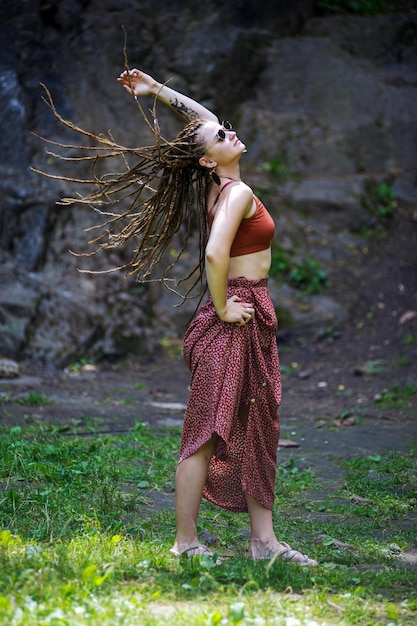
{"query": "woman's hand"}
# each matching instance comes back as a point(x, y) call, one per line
point(237, 312)
point(137, 83)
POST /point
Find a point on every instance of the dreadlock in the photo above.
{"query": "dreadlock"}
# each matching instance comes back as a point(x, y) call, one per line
point(165, 191)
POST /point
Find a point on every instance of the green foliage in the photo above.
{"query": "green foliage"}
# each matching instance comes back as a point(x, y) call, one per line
point(78, 365)
point(308, 275)
point(359, 7)
point(404, 360)
point(374, 367)
point(280, 262)
point(379, 199)
point(287, 369)
point(386, 200)
point(396, 397)
point(32, 398)
point(278, 167)
point(409, 339)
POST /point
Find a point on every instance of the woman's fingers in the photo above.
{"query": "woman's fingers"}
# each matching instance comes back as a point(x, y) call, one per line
point(239, 312)
point(248, 314)
point(249, 310)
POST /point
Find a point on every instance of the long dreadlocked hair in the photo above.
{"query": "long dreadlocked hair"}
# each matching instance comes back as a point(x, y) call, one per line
point(165, 191)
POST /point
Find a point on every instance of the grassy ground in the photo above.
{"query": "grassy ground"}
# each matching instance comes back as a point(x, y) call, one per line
point(81, 544)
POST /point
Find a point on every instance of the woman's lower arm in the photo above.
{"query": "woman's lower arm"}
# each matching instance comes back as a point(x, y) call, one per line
point(217, 284)
point(186, 107)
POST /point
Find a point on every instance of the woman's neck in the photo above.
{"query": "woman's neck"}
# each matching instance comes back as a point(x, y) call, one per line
point(229, 175)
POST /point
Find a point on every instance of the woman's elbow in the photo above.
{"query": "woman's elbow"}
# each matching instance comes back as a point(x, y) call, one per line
point(215, 256)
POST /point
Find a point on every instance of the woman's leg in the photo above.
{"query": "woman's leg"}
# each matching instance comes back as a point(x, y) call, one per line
point(189, 484)
point(263, 540)
point(263, 543)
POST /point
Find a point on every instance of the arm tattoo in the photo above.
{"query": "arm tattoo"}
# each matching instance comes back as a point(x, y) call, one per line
point(183, 110)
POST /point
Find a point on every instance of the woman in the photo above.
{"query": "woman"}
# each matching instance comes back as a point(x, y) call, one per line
point(231, 426)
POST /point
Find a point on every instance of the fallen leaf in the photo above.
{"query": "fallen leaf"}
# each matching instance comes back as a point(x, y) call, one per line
point(330, 541)
point(407, 316)
point(89, 367)
point(305, 374)
point(168, 406)
point(346, 421)
point(143, 484)
point(359, 500)
point(287, 443)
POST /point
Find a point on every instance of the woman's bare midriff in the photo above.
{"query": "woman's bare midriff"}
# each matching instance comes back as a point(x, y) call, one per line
point(252, 266)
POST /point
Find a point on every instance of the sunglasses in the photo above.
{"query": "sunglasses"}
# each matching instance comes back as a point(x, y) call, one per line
point(226, 126)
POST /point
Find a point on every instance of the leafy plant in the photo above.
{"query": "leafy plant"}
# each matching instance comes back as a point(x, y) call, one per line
point(379, 199)
point(409, 339)
point(309, 276)
point(79, 365)
point(386, 199)
point(396, 396)
point(404, 360)
point(33, 398)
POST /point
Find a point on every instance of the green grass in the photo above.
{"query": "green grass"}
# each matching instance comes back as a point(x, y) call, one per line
point(380, 489)
point(397, 396)
point(32, 398)
point(81, 542)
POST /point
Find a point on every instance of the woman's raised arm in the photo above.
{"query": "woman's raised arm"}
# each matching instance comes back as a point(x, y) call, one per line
point(140, 84)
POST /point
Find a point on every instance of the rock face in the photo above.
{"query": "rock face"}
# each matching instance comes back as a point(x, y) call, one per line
point(325, 103)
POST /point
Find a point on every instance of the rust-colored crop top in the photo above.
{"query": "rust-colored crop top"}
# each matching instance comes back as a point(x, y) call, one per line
point(254, 234)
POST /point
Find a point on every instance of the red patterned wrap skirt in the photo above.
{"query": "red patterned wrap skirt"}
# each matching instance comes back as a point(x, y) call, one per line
point(235, 393)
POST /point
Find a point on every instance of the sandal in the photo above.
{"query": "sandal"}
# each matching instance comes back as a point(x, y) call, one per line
point(287, 554)
point(194, 549)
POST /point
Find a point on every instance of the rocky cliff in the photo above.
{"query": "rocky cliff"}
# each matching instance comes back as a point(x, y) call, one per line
point(326, 103)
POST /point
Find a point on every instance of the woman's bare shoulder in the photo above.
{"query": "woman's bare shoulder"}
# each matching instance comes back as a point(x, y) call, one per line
point(242, 195)
point(242, 189)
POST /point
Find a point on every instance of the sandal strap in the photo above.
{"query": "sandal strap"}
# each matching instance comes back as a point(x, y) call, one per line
point(288, 554)
point(294, 555)
point(202, 549)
